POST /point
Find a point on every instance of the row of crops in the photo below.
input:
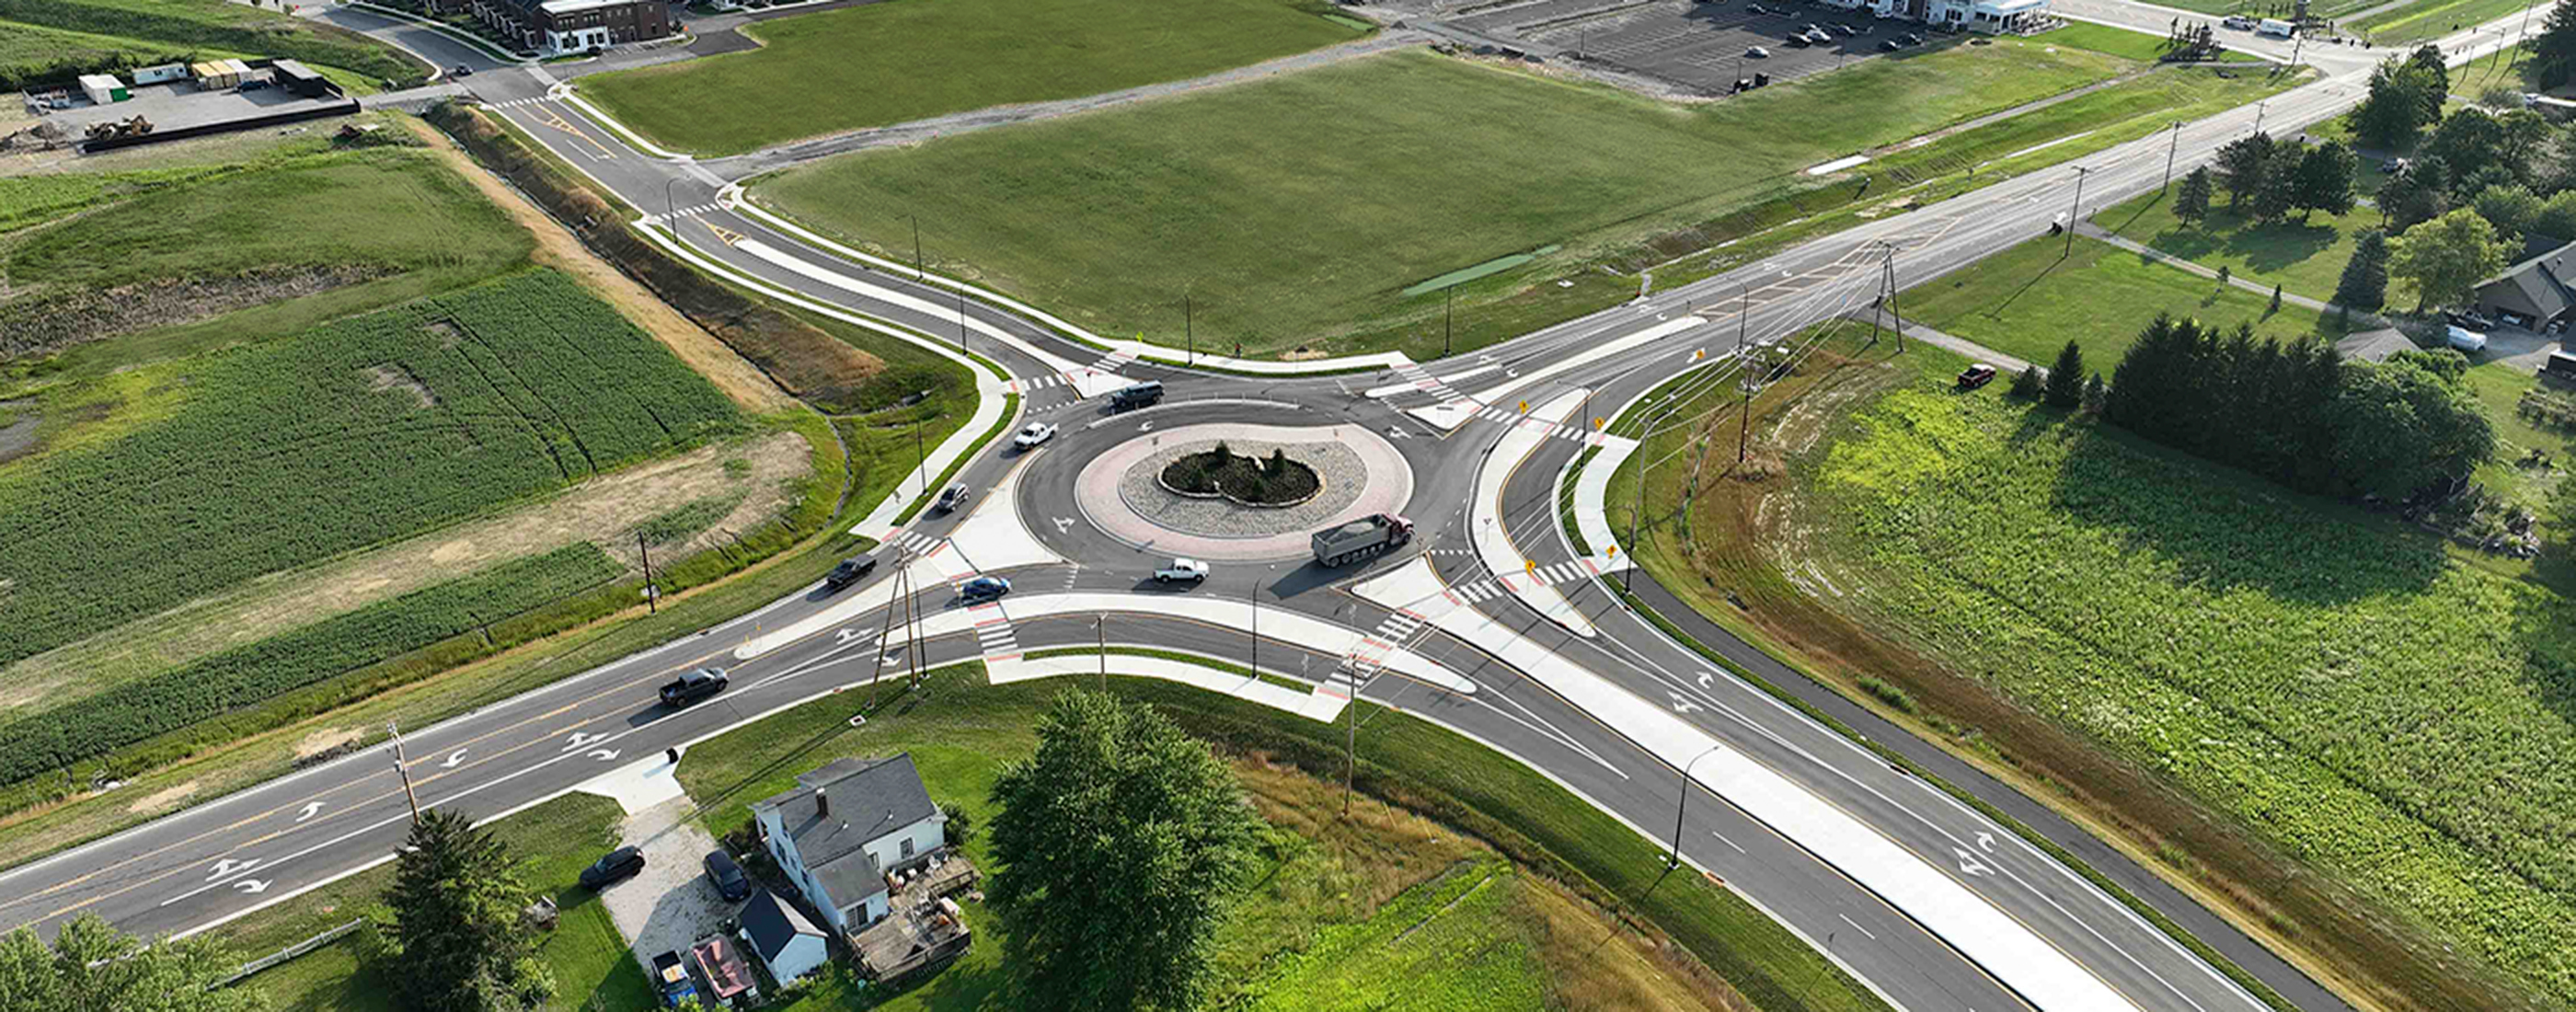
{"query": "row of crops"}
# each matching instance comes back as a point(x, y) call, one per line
point(2321, 675)
point(285, 452)
point(245, 676)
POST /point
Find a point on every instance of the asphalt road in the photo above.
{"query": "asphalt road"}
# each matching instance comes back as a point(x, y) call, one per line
point(228, 856)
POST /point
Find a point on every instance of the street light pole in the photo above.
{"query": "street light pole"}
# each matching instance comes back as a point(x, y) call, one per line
point(670, 207)
point(1446, 297)
point(1675, 861)
point(2076, 213)
point(2258, 114)
point(402, 770)
point(2171, 148)
point(918, 272)
point(1189, 336)
point(961, 320)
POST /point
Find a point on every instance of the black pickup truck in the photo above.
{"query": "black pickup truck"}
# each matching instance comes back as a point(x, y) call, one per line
point(694, 686)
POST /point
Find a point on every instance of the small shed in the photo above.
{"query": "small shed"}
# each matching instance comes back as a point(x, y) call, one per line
point(239, 69)
point(2560, 366)
point(788, 944)
point(104, 88)
point(162, 74)
point(297, 79)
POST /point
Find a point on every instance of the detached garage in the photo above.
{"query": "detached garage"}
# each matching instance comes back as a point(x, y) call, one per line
point(788, 944)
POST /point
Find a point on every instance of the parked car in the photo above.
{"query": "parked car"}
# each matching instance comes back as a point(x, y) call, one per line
point(618, 866)
point(983, 588)
point(1889, 45)
point(1795, 38)
point(2472, 320)
point(1846, 29)
point(1137, 396)
point(2468, 341)
point(851, 570)
point(1758, 53)
point(951, 498)
point(1182, 571)
point(1033, 434)
point(727, 877)
point(1976, 376)
point(695, 686)
point(1818, 37)
point(254, 83)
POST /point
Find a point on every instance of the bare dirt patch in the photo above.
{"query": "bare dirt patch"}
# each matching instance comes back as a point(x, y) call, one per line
point(324, 740)
point(18, 421)
point(601, 510)
point(162, 799)
point(558, 248)
point(395, 377)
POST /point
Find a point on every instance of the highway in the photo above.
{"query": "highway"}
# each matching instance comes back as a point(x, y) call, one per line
point(1573, 716)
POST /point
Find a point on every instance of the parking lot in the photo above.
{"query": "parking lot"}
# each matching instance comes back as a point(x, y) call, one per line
point(1699, 46)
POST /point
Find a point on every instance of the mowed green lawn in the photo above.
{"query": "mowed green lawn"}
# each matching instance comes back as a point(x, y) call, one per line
point(2324, 676)
point(2303, 257)
point(1295, 209)
point(2431, 19)
point(2028, 301)
point(905, 60)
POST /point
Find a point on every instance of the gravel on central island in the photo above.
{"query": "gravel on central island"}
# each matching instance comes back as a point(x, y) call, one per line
point(1344, 477)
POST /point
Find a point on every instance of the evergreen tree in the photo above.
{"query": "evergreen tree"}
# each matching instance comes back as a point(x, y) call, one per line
point(2276, 300)
point(2396, 112)
point(2554, 52)
point(2028, 386)
point(2094, 394)
point(2241, 163)
point(456, 941)
point(2325, 179)
point(2279, 193)
point(2191, 201)
point(2364, 284)
point(2066, 378)
point(1121, 843)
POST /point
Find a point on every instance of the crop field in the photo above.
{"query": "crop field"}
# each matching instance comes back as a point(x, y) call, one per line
point(928, 58)
point(1295, 209)
point(201, 472)
point(2027, 302)
point(221, 25)
point(2322, 676)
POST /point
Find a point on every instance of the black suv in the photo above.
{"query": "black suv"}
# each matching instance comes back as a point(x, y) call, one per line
point(851, 570)
point(620, 864)
point(694, 686)
point(727, 877)
point(1140, 395)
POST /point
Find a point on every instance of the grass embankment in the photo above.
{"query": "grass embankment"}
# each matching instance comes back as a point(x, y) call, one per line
point(2303, 257)
point(966, 729)
point(1296, 209)
point(228, 27)
point(2106, 623)
point(933, 57)
point(2425, 20)
point(2027, 302)
point(594, 969)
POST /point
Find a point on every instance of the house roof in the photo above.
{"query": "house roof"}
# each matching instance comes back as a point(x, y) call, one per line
point(771, 923)
point(2537, 285)
point(860, 801)
point(2374, 345)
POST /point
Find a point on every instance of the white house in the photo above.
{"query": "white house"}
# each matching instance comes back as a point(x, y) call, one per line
point(1950, 13)
point(844, 828)
point(788, 944)
point(2007, 17)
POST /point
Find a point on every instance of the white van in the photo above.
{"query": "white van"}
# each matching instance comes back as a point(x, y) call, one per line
point(2276, 28)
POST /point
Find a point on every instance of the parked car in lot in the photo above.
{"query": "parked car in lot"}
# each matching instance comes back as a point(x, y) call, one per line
point(727, 877)
point(851, 570)
point(1976, 376)
point(1033, 434)
point(1846, 29)
point(1889, 45)
point(618, 866)
point(1818, 36)
point(983, 588)
point(694, 686)
point(1181, 571)
point(950, 498)
point(1758, 53)
point(1795, 38)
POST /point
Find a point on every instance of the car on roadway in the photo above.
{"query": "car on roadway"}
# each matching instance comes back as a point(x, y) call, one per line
point(1182, 571)
point(462, 71)
point(1976, 376)
point(950, 498)
point(851, 570)
point(983, 588)
point(1758, 53)
point(1137, 396)
point(617, 866)
point(2237, 21)
point(726, 875)
point(1033, 434)
point(695, 686)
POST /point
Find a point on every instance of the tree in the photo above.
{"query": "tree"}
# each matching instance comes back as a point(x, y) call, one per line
point(2419, 193)
point(959, 823)
point(2364, 284)
point(2066, 378)
point(456, 942)
point(2276, 300)
point(2240, 166)
point(2279, 193)
point(1121, 844)
point(2557, 217)
point(2400, 426)
point(2404, 99)
point(2554, 52)
point(2191, 202)
point(2027, 385)
point(2470, 140)
point(2325, 179)
point(93, 967)
point(2446, 258)
point(2511, 209)
point(2429, 59)
point(2094, 394)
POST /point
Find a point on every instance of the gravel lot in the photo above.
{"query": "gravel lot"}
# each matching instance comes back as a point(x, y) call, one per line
point(670, 903)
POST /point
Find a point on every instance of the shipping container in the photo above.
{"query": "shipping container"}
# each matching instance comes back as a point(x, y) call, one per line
point(159, 74)
point(104, 88)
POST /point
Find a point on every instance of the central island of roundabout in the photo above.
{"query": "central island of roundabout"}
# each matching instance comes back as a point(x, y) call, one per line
point(1171, 492)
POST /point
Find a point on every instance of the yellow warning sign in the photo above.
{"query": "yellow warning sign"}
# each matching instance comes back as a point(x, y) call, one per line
point(1525, 407)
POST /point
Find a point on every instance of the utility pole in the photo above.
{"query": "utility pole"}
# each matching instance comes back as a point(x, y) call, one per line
point(652, 600)
point(1744, 416)
point(1446, 295)
point(876, 678)
point(918, 273)
point(921, 457)
point(2075, 214)
point(2171, 148)
point(961, 321)
point(404, 771)
point(1743, 313)
point(1892, 311)
point(1189, 336)
point(2258, 114)
point(670, 208)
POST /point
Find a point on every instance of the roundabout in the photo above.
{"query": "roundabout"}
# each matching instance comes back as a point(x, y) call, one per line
point(1130, 490)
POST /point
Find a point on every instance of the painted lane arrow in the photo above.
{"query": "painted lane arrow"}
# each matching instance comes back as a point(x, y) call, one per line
point(1986, 842)
point(227, 866)
point(453, 758)
point(1680, 704)
point(603, 754)
point(1968, 863)
point(251, 885)
point(310, 807)
point(580, 739)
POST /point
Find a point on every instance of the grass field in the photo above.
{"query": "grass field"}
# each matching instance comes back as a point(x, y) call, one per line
point(273, 455)
point(2027, 302)
point(32, 54)
point(2304, 258)
point(932, 57)
point(2324, 678)
point(2429, 19)
point(220, 25)
point(1295, 209)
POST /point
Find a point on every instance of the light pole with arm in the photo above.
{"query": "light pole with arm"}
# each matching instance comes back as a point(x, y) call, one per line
point(1675, 860)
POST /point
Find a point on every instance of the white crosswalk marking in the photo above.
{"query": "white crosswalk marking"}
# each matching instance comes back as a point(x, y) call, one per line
point(1036, 383)
point(993, 632)
point(916, 544)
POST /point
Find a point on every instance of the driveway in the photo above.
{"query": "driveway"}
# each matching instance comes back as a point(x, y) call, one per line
point(670, 903)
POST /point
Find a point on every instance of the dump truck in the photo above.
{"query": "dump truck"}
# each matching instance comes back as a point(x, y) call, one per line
point(1361, 538)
